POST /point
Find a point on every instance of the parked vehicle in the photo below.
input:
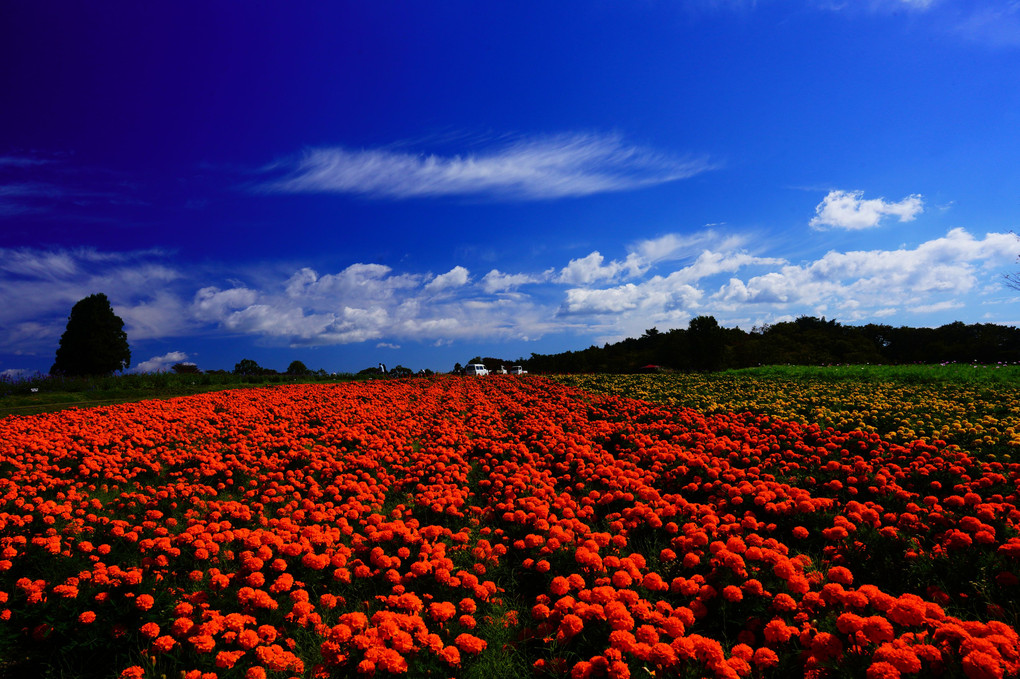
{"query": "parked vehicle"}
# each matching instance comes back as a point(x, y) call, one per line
point(476, 369)
point(518, 370)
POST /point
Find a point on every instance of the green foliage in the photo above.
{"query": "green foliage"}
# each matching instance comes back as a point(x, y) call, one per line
point(94, 342)
point(948, 373)
point(705, 346)
point(705, 339)
point(247, 366)
point(298, 368)
point(185, 369)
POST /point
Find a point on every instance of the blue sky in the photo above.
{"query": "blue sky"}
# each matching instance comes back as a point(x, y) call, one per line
point(419, 183)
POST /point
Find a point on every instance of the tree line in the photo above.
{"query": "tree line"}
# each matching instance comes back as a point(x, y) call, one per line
point(706, 346)
point(94, 343)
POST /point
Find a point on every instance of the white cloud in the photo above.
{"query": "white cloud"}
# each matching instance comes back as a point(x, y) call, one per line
point(992, 24)
point(937, 306)
point(454, 278)
point(15, 374)
point(497, 281)
point(612, 300)
point(40, 287)
point(212, 303)
point(677, 246)
point(531, 169)
point(948, 264)
point(589, 269)
point(660, 282)
point(876, 5)
point(161, 363)
point(849, 210)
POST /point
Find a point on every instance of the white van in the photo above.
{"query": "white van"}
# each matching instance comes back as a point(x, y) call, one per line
point(518, 370)
point(475, 369)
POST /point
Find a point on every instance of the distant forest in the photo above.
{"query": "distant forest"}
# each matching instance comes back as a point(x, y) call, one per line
point(706, 346)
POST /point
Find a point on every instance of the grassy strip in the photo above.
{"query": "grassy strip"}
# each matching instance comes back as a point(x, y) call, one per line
point(49, 394)
point(961, 373)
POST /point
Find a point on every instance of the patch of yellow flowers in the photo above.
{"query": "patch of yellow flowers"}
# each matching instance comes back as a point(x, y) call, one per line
point(977, 418)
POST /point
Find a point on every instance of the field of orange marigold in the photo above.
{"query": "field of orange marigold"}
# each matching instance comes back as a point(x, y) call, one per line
point(494, 527)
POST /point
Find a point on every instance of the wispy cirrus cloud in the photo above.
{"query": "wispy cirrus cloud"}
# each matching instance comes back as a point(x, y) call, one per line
point(35, 185)
point(539, 168)
point(995, 24)
point(41, 285)
point(850, 210)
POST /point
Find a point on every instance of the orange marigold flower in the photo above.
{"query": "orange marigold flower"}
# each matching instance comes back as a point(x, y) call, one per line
point(442, 611)
point(840, 575)
point(87, 617)
point(559, 585)
point(164, 643)
point(878, 629)
point(883, 670)
point(227, 659)
point(732, 593)
point(450, 655)
point(909, 610)
point(784, 602)
point(203, 643)
point(469, 643)
point(571, 625)
point(982, 665)
point(903, 659)
point(778, 632)
point(144, 602)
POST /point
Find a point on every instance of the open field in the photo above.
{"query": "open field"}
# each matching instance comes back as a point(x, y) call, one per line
point(45, 394)
point(496, 527)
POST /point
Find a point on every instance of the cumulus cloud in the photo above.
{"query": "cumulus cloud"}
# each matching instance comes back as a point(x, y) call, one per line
point(850, 210)
point(934, 276)
point(529, 169)
point(589, 269)
point(708, 252)
point(367, 302)
point(663, 281)
point(161, 363)
point(454, 278)
point(943, 265)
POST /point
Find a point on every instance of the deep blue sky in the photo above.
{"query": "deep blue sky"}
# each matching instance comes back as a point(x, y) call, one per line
point(419, 183)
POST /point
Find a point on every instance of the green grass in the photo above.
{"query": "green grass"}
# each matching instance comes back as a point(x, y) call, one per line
point(49, 394)
point(963, 373)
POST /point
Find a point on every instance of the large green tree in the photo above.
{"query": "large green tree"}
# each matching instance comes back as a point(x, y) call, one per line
point(94, 342)
point(298, 368)
point(247, 366)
